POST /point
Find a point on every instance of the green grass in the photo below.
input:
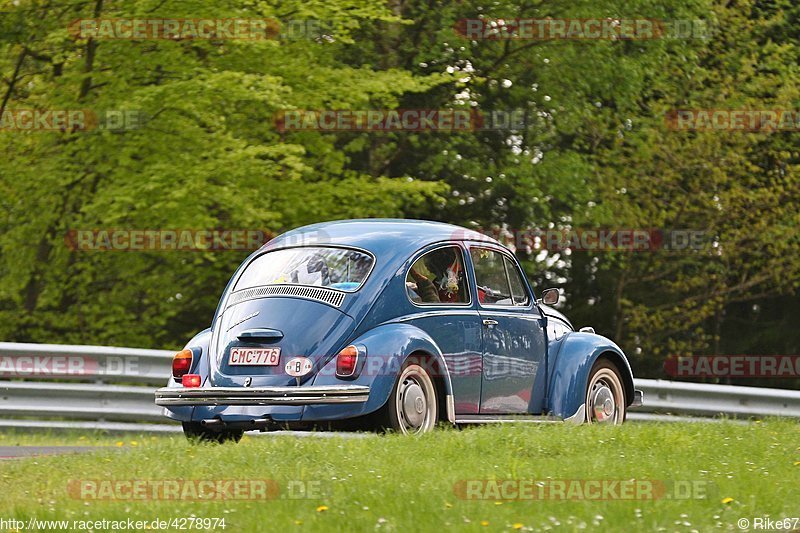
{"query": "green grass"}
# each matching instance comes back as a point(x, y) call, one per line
point(65, 438)
point(401, 483)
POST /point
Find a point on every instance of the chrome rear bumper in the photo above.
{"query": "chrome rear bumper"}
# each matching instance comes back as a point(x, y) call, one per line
point(175, 396)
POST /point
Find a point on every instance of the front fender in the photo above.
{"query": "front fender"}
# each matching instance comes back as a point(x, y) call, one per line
point(388, 346)
point(569, 371)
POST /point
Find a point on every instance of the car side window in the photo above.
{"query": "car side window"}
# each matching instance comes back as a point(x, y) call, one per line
point(438, 278)
point(518, 292)
point(491, 277)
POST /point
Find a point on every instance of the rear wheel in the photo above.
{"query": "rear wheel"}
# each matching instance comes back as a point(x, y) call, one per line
point(195, 431)
point(412, 407)
point(605, 395)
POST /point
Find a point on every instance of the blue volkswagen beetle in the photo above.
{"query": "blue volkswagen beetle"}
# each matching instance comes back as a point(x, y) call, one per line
point(394, 324)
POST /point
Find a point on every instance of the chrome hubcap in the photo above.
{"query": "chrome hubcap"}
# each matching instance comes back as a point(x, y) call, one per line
point(603, 405)
point(413, 404)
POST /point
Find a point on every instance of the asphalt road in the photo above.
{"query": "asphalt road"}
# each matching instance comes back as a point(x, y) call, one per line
point(15, 452)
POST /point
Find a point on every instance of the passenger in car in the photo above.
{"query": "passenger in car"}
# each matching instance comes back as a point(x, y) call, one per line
point(424, 289)
point(437, 277)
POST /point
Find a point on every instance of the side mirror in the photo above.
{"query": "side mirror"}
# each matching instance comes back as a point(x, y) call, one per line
point(550, 296)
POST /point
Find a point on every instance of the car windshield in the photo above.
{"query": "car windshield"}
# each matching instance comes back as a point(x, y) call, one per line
point(336, 268)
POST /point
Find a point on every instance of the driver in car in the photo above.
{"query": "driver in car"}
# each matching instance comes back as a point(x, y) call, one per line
point(440, 284)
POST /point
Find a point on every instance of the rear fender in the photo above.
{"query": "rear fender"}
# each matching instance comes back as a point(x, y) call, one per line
point(387, 347)
point(199, 347)
point(570, 371)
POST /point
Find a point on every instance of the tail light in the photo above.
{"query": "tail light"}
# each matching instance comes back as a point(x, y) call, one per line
point(190, 380)
point(181, 363)
point(346, 362)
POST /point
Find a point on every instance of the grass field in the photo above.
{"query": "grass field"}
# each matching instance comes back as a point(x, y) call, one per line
point(394, 483)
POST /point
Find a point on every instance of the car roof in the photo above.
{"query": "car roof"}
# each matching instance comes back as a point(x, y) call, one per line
point(377, 235)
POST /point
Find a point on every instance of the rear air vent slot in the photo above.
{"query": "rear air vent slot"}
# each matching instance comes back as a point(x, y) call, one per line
point(326, 296)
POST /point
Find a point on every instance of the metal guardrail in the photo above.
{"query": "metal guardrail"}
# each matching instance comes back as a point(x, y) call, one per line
point(97, 387)
point(708, 400)
point(83, 387)
point(98, 363)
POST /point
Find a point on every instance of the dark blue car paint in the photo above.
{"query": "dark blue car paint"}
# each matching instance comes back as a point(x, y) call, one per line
point(514, 350)
point(310, 329)
point(387, 348)
point(381, 317)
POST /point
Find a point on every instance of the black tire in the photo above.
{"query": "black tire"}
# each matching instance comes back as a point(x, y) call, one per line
point(412, 407)
point(195, 432)
point(605, 401)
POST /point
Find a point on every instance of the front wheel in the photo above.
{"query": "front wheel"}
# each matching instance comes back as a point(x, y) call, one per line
point(605, 395)
point(195, 431)
point(412, 407)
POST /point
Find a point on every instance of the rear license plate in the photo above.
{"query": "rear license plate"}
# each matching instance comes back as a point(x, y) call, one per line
point(254, 356)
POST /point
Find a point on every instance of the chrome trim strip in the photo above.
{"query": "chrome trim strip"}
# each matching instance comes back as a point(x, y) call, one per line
point(451, 409)
point(506, 419)
point(579, 417)
point(638, 398)
point(438, 312)
point(174, 396)
point(494, 312)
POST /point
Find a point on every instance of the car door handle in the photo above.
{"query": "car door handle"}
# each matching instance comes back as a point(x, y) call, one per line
point(488, 322)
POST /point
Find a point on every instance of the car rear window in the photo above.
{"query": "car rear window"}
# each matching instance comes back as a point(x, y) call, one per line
point(336, 268)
